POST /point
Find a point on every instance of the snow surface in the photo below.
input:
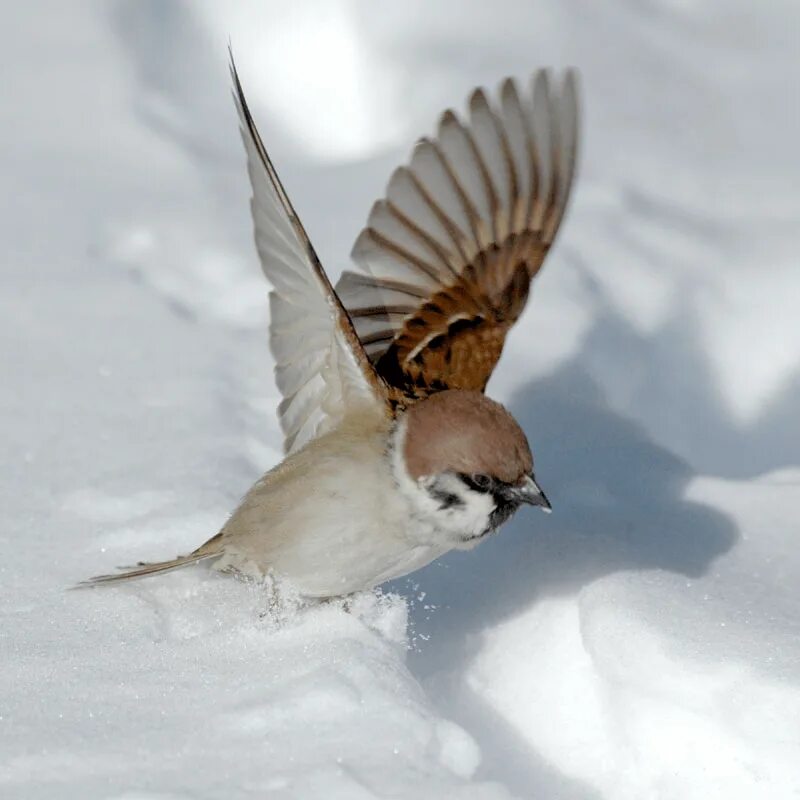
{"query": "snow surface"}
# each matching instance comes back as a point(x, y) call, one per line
point(642, 643)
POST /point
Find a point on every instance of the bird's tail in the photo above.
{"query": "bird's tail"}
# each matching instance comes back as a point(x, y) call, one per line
point(142, 570)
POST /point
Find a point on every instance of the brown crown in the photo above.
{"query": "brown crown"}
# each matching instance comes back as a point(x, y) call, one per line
point(465, 431)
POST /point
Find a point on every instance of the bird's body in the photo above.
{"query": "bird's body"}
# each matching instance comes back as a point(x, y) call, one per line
point(356, 533)
point(394, 454)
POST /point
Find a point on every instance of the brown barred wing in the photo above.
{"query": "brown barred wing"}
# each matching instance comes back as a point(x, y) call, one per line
point(446, 260)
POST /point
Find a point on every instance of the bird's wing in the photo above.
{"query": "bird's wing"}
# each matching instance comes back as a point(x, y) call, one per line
point(321, 367)
point(446, 260)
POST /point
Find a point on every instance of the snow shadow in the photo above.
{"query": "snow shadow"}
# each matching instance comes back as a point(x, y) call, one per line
point(667, 380)
point(619, 504)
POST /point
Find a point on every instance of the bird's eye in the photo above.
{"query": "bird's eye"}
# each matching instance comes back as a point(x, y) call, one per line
point(478, 482)
point(482, 481)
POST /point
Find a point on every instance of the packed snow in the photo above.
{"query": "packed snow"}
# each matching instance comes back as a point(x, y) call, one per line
point(640, 643)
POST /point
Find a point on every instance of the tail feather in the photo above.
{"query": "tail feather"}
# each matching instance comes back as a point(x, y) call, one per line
point(142, 570)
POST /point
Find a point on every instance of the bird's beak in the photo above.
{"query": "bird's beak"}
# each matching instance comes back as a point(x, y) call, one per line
point(529, 492)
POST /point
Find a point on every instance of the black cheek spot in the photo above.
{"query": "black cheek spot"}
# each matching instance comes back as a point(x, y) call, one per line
point(446, 500)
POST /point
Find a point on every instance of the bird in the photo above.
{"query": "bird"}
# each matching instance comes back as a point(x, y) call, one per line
point(394, 455)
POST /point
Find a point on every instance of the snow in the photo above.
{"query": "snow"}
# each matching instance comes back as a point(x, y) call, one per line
point(641, 642)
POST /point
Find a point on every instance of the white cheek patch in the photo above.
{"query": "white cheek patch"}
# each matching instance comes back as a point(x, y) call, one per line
point(477, 514)
point(460, 509)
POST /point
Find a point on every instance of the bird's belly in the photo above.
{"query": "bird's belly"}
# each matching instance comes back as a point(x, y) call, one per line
point(337, 560)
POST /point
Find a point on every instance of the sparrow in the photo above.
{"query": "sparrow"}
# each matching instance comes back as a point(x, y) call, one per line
point(394, 455)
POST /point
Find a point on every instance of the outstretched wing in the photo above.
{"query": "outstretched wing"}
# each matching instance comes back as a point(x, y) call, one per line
point(321, 367)
point(446, 259)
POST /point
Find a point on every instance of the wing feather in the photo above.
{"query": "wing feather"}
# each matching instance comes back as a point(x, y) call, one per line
point(446, 260)
point(488, 151)
point(457, 148)
point(519, 143)
point(322, 369)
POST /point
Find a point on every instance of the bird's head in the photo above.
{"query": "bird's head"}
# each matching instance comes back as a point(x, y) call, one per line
point(465, 463)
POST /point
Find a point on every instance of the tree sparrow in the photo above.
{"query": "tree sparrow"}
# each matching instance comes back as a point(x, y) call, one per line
point(394, 454)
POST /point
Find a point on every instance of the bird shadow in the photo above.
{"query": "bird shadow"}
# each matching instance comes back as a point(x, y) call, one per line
point(619, 504)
